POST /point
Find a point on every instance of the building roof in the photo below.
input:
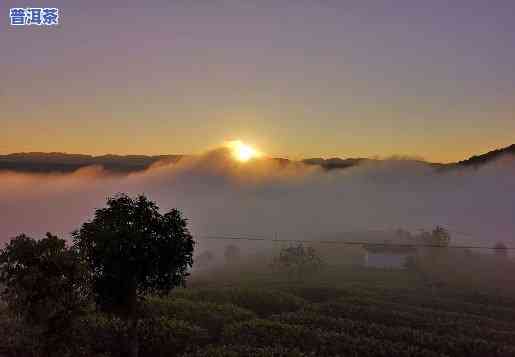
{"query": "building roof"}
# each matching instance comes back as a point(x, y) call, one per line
point(389, 248)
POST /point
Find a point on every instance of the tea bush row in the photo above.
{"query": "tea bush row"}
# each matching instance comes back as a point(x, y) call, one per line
point(455, 345)
point(324, 343)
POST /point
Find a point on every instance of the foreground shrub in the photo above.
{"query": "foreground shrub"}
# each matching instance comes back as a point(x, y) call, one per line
point(315, 294)
point(168, 337)
point(324, 343)
point(262, 302)
point(405, 316)
point(208, 315)
point(18, 339)
point(435, 315)
point(239, 350)
point(103, 334)
point(453, 345)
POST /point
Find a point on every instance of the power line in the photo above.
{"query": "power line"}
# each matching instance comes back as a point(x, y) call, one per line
point(244, 237)
point(361, 243)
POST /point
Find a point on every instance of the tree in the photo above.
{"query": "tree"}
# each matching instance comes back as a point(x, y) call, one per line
point(440, 237)
point(298, 260)
point(132, 250)
point(435, 254)
point(43, 284)
point(501, 250)
point(232, 254)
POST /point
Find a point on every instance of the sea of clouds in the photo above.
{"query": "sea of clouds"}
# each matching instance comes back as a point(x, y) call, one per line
point(221, 196)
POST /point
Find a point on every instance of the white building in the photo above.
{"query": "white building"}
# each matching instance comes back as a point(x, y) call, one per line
point(388, 257)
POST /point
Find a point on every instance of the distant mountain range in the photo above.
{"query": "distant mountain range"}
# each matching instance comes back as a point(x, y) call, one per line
point(479, 160)
point(60, 162)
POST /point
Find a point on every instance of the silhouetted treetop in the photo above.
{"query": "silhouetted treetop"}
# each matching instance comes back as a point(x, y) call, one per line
point(44, 284)
point(133, 249)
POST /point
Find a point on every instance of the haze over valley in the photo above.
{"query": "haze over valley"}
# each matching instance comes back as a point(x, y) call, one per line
point(310, 199)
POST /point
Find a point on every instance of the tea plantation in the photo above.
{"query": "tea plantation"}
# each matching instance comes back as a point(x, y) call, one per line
point(273, 317)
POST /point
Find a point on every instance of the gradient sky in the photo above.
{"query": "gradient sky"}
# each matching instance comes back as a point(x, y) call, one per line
point(303, 78)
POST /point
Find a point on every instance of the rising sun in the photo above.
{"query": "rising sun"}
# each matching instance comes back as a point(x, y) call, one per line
point(242, 152)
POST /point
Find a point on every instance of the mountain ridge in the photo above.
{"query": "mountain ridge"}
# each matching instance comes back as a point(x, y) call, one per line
point(48, 162)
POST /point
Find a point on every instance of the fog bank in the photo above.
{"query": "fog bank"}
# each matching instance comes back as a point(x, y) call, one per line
point(221, 196)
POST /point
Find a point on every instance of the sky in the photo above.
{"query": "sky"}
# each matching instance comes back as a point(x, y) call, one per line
point(426, 79)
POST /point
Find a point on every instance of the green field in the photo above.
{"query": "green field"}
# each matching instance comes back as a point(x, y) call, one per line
point(340, 311)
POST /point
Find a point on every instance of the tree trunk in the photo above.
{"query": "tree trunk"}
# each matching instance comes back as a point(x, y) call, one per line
point(133, 343)
point(132, 324)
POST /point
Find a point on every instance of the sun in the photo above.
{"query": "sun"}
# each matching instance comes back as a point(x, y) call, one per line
point(242, 152)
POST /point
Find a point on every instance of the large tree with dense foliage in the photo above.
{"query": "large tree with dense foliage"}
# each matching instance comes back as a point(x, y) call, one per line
point(132, 250)
point(43, 284)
